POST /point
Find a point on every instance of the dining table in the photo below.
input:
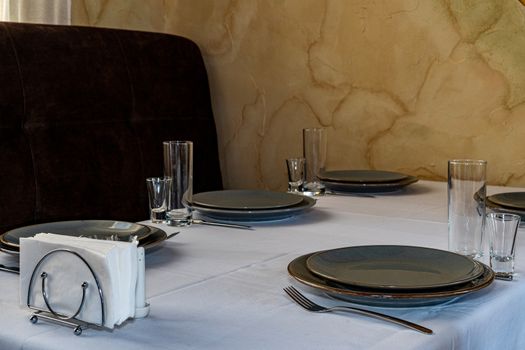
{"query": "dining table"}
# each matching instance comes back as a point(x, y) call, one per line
point(222, 288)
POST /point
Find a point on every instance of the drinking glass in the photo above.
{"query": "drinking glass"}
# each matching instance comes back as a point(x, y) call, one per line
point(314, 148)
point(158, 189)
point(502, 229)
point(295, 168)
point(178, 165)
point(466, 206)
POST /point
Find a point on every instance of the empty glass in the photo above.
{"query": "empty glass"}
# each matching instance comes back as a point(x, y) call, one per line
point(466, 206)
point(502, 229)
point(178, 165)
point(314, 148)
point(295, 168)
point(158, 189)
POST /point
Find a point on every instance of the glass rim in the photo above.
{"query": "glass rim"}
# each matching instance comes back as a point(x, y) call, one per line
point(317, 128)
point(467, 161)
point(158, 178)
point(504, 216)
point(177, 142)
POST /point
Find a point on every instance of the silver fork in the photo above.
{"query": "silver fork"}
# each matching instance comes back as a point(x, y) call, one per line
point(311, 306)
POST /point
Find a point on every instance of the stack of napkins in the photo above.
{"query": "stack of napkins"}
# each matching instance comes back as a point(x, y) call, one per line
point(118, 267)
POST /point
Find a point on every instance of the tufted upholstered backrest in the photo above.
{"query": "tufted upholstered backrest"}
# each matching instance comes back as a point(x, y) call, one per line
point(83, 113)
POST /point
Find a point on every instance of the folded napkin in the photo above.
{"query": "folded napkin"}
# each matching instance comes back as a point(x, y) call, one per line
point(118, 266)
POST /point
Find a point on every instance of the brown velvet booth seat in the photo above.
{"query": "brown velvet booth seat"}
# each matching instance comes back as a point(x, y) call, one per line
point(83, 113)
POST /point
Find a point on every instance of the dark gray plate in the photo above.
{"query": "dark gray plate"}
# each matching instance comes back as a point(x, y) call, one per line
point(149, 243)
point(394, 267)
point(99, 229)
point(298, 270)
point(361, 176)
point(513, 200)
point(491, 206)
point(259, 215)
point(346, 187)
point(245, 199)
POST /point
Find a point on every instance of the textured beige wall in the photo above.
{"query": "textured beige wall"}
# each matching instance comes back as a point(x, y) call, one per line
point(402, 85)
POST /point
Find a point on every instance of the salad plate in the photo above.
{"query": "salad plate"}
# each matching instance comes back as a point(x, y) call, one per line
point(245, 199)
point(394, 267)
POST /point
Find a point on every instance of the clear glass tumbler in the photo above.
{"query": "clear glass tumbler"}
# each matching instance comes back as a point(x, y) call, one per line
point(178, 165)
point(314, 148)
point(295, 168)
point(502, 229)
point(466, 206)
point(158, 190)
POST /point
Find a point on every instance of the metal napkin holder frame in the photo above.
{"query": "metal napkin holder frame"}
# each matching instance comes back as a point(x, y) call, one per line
point(50, 314)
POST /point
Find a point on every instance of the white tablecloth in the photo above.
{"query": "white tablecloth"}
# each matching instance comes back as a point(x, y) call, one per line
point(220, 288)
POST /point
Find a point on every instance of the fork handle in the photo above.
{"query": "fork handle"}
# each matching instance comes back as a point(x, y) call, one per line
point(378, 315)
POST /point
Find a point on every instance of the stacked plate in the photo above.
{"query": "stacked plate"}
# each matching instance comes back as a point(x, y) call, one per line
point(148, 236)
point(250, 205)
point(365, 181)
point(391, 275)
point(509, 202)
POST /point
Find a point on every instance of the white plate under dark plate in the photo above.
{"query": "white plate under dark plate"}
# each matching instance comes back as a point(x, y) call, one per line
point(394, 267)
point(513, 200)
point(361, 176)
point(385, 298)
point(347, 187)
point(245, 199)
point(259, 215)
point(99, 229)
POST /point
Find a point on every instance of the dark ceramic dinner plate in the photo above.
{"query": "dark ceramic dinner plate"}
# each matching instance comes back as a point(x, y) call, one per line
point(361, 176)
point(385, 298)
point(149, 243)
point(259, 215)
point(98, 229)
point(245, 199)
point(491, 206)
point(513, 200)
point(347, 187)
point(394, 267)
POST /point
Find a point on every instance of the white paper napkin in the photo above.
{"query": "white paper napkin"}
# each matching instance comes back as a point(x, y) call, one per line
point(113, 263)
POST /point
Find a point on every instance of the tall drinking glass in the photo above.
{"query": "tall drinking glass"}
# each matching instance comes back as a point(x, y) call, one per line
point(314, 148)
point(466, 206)
point(178, 165)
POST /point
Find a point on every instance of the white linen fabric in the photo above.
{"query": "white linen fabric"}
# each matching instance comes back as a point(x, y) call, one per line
point(220, 288)
point(114, 264)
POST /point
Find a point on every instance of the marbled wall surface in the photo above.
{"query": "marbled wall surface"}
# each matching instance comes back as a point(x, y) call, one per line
point(401, 85)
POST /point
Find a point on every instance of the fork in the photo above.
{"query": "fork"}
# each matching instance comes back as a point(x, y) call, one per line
point(311, 306)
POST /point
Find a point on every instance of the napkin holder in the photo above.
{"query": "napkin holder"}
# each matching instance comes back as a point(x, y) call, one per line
point(50, 314)
point(141, 308)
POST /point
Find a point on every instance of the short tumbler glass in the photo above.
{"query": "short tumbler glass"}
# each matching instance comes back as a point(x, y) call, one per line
point(502, 229)
point(295, 168)
point(158, 190)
